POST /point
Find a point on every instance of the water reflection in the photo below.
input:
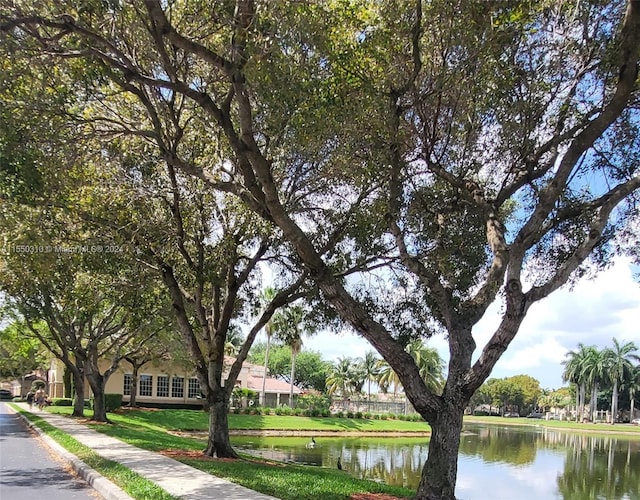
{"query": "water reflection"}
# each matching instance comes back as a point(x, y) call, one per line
point(495, 461)
point(600, 467)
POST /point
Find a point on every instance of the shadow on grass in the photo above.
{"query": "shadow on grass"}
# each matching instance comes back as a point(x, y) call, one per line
point(294, 482)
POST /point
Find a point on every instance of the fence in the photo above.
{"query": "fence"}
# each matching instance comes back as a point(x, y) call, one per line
point(402, 407)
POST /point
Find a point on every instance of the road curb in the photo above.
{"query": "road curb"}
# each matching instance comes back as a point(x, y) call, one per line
point(108, 489)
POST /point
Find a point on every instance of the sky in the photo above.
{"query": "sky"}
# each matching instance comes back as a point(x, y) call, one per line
point(593, 312)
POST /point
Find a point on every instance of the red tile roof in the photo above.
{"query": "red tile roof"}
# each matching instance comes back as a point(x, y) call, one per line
point(272, 385)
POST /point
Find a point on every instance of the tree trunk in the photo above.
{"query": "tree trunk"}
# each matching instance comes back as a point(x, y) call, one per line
point(78, 403)
point(218, 443)
point(594, 403)
point(293, 374)
point(583, 396)
point(439, 473)
point(133, 390)
point(97, 383)
point(263, 394)
point(614, 403)
point(67, 383)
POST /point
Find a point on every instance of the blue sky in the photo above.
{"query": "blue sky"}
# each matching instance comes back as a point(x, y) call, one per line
point(593, 312)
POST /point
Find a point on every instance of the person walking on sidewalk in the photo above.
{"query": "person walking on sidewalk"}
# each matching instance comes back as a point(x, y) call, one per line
point(41, 398)
point(30, 398)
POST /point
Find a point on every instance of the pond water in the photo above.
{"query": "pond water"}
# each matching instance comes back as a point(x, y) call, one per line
point(497, 462)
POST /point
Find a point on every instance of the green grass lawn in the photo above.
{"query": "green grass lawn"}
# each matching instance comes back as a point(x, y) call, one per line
point(194, 420)
point(150, 430)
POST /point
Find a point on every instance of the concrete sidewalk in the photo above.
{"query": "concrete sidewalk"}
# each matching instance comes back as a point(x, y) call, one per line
point(174, 477)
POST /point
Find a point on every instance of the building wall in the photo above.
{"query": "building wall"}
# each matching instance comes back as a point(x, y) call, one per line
point(153, 380)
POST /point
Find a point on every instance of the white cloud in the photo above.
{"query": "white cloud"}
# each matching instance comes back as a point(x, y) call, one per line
point(534, 356)
point(593, 312)
point(333, 346)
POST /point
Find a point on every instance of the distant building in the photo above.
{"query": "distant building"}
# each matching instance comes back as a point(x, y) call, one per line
point(20, 387)
point(173, 385)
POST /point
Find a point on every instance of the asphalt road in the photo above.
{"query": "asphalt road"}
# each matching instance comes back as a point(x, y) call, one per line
point(29, 470)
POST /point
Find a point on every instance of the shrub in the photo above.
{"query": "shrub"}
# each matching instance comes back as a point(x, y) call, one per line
point(367, 415)
point(298, 412)
point(340, 414)
point(112, 401)
point(349, 414)
point(358, 414)
point(314, 402)
point(286, 410)
point(244, 392)
point(236, 411)
point(325, 413)
point(61, 402)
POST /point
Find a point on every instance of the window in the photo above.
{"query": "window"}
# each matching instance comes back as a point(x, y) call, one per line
point(177, 387)
point(146, 381)
point(162, 389)
point(128, 382)
point(194, 388)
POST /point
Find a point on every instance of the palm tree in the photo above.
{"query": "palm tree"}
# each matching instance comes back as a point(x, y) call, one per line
point(358, 377)
point(387, 378)
point(595, 373)
point(289, 329)
point(267, 297)
point(339, 380)
point(371, 370)
point(430, 365)
point(296, 347)
point(633, 384)
point(573, 373)
point(618, 365)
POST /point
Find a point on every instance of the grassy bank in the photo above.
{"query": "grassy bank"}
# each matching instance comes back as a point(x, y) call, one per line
point(622, 429)
point(152, 430)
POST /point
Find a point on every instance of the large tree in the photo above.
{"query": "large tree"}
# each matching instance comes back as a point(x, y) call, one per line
point(289, 327)
point(594, 369)
point(311, 370)
point(619, 365)
point(500, 143)
point(574, 373)
point(19, 355)
point(209, 252)
point(78, 323)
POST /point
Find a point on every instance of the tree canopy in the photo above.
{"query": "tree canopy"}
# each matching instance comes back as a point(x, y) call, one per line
point(473, 150)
